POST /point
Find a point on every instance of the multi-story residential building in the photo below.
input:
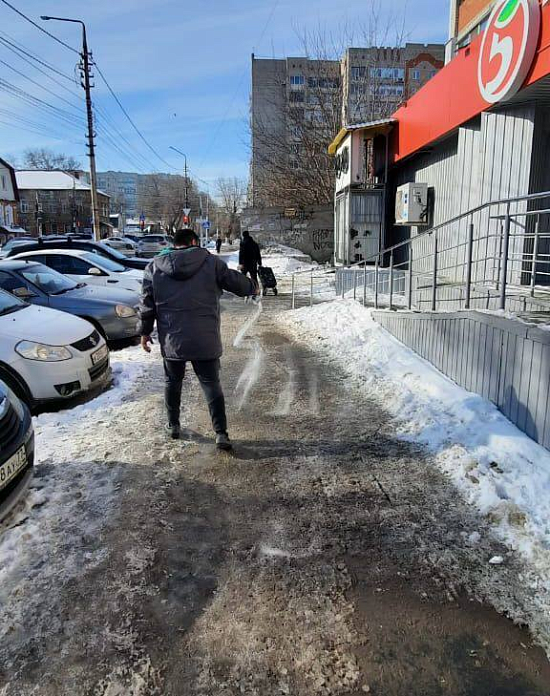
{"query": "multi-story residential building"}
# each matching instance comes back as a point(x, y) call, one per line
point(288, 96)
point(123, 188)
point(9, 201)
point(376, 81)
point(56, 202)
point(468, 18)
point(297, 103)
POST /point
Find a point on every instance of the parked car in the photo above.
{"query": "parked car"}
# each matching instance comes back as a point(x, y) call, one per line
point(87, 267)
point(125, 246)
point(111, 310)
point(72, 243)
point(46, 355)
point(16, 449)
point(152, 244)
point(14, 244)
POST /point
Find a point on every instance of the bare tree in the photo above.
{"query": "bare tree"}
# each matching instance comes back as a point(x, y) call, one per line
point(291, 135)
point(231, 193)
point(47, 159)
point(162, 198)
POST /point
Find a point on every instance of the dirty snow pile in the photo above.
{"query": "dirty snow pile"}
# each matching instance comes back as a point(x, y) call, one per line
point(495, 466)
point(71, 477)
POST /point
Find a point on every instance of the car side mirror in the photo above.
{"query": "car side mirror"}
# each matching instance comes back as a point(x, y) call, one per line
point(23, 293)
point(94, 271)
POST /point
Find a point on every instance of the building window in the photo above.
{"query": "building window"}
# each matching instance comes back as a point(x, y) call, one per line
point(297, 80)
point(3, 181)
point(358, 72)
point(24, 207)
point(416, 75)
point(297, 97)
point(397, 74)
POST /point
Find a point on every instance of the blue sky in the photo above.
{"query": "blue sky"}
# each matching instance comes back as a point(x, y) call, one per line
point(181, 69)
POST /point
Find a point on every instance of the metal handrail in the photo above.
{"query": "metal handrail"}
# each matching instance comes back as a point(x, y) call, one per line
point(457, 218)
point(451, 262)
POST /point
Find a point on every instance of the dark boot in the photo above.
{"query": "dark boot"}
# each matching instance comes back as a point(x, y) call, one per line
point(223, 442)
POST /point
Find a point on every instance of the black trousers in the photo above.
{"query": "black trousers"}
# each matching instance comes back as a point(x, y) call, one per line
point(253, 271)
point(208, 373)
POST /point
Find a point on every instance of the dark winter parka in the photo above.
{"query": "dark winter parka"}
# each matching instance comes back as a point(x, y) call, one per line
point(181, 292)
point(249, 254)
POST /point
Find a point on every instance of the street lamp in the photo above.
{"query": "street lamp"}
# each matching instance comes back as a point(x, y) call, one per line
point(90, 114)
point(185, 170)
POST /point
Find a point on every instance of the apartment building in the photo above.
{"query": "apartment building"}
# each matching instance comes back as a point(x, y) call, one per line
point(123, 188)
point(376, 81)
point(298, 103)
point(468, 18)
point(57, 202)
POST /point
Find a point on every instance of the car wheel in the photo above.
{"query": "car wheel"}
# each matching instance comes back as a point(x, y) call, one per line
point(17, 385)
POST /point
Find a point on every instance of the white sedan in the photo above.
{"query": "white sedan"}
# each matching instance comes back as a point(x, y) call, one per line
point(86, 267)
point(125, 245)
point(46, 355)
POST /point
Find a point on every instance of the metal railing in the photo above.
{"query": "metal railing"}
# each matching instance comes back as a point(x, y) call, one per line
point(483, 258)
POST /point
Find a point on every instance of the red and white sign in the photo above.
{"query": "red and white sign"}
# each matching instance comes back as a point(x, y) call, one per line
point(508, 48)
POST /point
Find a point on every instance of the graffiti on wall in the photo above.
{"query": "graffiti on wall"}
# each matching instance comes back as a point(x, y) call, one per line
point(323, 240)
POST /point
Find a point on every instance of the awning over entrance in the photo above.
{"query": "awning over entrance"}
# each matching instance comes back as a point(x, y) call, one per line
point(371, 129)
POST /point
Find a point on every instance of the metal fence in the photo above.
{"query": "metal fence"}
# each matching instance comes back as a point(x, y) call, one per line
point(481, 259)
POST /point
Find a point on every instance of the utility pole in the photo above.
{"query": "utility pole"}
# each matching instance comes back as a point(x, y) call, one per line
point(186, 181)
point(85, 69)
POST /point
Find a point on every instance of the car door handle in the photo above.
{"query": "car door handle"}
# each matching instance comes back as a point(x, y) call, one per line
point(112, 281)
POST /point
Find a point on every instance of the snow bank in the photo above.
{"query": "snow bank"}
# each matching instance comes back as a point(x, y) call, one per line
point(494, 465)
point(285, 261)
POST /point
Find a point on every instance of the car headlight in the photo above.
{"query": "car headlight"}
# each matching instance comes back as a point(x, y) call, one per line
point(124, 312)
point(41, 352)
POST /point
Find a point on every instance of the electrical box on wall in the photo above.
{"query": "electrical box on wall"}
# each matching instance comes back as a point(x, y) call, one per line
point(411, 204)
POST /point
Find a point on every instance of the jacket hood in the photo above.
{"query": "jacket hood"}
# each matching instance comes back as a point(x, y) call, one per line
point(182, 264)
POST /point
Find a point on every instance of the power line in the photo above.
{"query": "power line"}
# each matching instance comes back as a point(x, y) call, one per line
point(37, 84)
point(130, 119)
point(232, 101)
point(40, 28)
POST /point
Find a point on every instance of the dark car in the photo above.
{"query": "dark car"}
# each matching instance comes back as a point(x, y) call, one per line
point(73, 243)
point(14, 244)
point(111, 310)
point(16, 450)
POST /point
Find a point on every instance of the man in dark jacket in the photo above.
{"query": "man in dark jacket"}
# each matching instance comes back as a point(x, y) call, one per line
point(249, 256)
point(181, 292)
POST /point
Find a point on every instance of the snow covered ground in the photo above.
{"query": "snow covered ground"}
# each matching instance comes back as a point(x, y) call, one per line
point(494, 465)
point(72, 494)
point(282, 259)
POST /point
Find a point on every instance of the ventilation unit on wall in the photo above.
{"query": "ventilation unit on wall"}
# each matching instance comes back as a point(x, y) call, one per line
point(411, 204)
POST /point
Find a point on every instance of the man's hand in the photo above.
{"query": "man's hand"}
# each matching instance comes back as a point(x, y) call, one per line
point(145, 341)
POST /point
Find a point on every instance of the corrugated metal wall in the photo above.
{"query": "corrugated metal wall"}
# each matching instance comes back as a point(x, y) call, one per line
point(488, 159)
point(502, 360)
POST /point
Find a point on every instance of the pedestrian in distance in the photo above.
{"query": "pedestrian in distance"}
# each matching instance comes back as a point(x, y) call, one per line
point(250, 257)
point(181, 293)
point(218, 244)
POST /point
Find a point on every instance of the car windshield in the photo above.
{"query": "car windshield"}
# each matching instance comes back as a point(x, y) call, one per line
point(112, 252)
point(9, 303)
point(104, 263)
point(153, 238)
point(46, 279)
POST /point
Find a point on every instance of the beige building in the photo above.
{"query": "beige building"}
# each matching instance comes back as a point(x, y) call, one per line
point(9, 202)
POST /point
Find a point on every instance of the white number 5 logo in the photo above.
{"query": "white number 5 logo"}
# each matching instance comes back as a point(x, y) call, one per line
point(508, 48)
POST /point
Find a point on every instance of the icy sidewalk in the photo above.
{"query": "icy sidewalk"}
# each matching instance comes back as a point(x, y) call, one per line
point(494, 465)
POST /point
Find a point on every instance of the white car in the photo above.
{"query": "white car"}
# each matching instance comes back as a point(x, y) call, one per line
point(125, 245)
point(152, 244)
point(86, 267)
point(46, 355)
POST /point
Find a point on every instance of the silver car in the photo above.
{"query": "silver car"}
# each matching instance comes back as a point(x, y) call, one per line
point(126, 246)
point(152, 244)
point(112, 311)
